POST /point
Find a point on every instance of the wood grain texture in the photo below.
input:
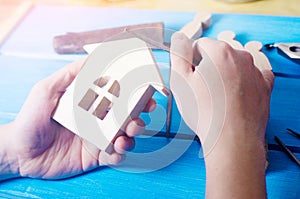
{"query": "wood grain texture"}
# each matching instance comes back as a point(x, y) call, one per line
point(106, 114)
point(72, 43)
point(229, 37)
point(11, 15)
point(25, 61)
point(253, 47)
point(194, 29)
point(261, 61)
point(185, 178)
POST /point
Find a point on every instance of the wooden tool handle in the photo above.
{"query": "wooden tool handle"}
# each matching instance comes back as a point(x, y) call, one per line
point(72, 43)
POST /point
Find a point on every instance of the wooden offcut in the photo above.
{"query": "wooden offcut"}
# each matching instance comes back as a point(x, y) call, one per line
point(11, 15)
point(72, 43)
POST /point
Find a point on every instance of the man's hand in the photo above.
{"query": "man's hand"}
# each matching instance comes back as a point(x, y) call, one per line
point(235, 161)
point(39, 147)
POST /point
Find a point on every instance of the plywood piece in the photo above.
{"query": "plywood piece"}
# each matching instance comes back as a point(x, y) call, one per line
point(11, 16)
point(194, 29)
point(229, 37)
point(260, 59)
point(114, 85)
point(71, 43)
point(205, 18)
point(253, 47)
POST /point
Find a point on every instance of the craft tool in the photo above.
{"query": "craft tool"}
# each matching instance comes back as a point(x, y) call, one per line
point(289, 50)
point(286, 149)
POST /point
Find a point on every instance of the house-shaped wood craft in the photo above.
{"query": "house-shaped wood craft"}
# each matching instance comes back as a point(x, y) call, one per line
point(114, 85)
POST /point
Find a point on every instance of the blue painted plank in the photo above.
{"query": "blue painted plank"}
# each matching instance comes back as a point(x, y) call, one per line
point(285, 111)
point(111, 183)
point(39, 34)
point(34, 36)
point(283, 176)
point(18, 75)
point(185, 178)
point(41, 25)
point(32, 40)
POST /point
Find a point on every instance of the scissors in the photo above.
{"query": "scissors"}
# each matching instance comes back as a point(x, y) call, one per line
point(290, 50)
point(286, 149)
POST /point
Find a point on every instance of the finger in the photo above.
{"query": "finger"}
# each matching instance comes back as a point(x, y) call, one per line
point(181, 54)
point(197, 56)
point(123, 144)
point(110, 159)
point(60, 80)
point(150, 106)
point(217, 51)
point(135, 127)
point(269, 78)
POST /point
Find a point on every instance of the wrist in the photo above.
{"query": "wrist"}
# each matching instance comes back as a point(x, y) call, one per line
point(236, 165)
point(239, 143)
point(9, 166)
point(237, 152)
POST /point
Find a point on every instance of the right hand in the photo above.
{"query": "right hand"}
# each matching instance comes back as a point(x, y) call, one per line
point(247, 90)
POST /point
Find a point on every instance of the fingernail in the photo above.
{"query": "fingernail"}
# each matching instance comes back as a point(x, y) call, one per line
point(178, 35)
point(140, 127)
point(140, 123)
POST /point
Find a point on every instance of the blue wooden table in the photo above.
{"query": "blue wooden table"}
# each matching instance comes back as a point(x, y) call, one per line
point(28, 56)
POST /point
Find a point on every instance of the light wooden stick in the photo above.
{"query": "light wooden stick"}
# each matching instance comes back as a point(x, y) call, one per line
point(229, 37)
point(253, 47)
point(72, 43)
point(194, 29)
point(7, 26)
point(260, 59)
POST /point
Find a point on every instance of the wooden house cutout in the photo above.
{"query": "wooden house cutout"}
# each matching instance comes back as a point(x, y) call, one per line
point(114, 85)
point(253, 47)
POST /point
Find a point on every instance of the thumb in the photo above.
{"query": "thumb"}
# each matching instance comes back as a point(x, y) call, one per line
point(181, 54)
point(60, 80)
point(268, 75)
